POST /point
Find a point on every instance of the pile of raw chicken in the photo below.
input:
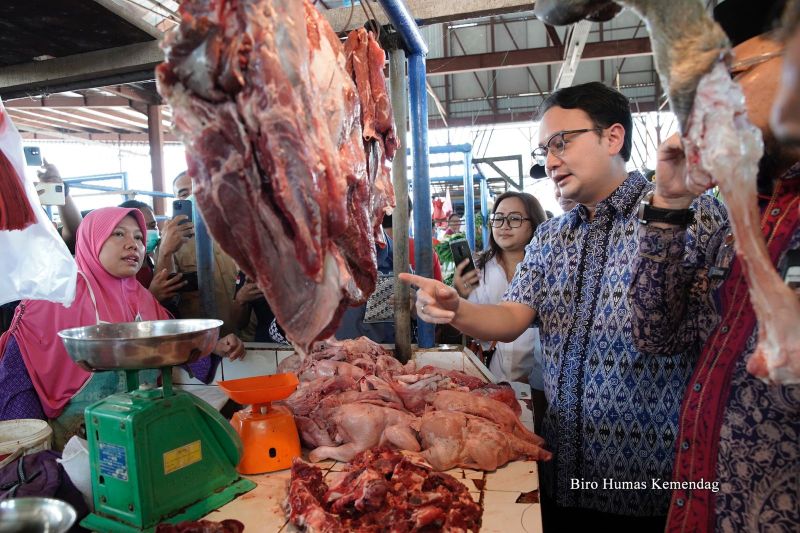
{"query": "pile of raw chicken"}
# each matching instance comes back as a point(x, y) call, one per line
point(353, 395)
point(382, 490)
point(287, 134)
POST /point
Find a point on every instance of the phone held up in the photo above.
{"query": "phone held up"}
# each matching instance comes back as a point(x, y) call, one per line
point(51, 193)
point(460, 250)
point(190, 278)
point(182, 207)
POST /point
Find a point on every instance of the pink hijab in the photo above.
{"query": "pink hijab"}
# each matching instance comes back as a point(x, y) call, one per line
point(36, 324)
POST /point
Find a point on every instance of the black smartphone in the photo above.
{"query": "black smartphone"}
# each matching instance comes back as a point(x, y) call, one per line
point(460, 250)
point(182, 207)
point(190, 278)
point(33, 156)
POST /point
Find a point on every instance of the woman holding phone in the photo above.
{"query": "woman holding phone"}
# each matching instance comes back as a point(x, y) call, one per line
point(513, 220)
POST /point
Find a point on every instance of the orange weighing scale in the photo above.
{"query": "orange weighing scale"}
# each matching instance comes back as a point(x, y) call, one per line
point(268, 432)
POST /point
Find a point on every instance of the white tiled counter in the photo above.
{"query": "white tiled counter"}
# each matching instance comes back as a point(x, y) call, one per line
point(510, 495)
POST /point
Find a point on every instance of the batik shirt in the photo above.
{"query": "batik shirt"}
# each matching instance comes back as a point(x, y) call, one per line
point(738, 446)
point(613, 412)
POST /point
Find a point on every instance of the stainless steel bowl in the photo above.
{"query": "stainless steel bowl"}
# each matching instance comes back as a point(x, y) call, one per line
point(36, 515)
point(136, 345)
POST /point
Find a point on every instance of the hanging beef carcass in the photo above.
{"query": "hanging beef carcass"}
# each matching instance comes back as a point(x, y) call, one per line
point(272, 124)
point(722, 148)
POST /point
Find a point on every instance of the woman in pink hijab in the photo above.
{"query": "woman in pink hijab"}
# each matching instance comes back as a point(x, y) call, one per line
point(37, 377)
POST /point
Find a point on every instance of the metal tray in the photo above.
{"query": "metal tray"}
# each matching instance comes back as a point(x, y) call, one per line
point(137, 345)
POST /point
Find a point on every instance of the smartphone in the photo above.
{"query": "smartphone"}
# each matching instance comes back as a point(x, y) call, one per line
point(51, 193)
point(460, 250)
point(190, 278)
point(33, 156)
point(182, 207)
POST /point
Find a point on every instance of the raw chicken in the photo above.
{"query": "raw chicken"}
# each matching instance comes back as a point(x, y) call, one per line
point(451, 439)
point(361, 426)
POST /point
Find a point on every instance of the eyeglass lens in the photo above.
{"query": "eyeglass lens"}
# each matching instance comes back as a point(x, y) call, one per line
point(514, 221)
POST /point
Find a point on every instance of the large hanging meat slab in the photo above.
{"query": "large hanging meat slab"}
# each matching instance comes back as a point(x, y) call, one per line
point(288, 153)
point(722, 148)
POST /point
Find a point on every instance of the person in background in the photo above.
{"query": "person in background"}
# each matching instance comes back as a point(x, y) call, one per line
point(387, 228)
point(38, 379)
point(249, 300)
point(184, 260)
point(453, 224)
point(354, 322)
point(68, 213)
point(159, 283)
point(182, 186)
point(604, 396)
point(736, 433)
point(515, 217)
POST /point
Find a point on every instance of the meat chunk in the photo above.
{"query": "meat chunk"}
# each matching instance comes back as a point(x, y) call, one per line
point(382, 491)
point(453, 439)
point(271, 120)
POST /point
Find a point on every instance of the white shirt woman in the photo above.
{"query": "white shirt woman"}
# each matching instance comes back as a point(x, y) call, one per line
point(512, 361)
point(513, 221)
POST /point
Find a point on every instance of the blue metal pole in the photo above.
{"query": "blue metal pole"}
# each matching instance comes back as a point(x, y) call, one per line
point(406, 26)
point(205, 263)
point(469, 200)
point(423, 251)
point(484, 211)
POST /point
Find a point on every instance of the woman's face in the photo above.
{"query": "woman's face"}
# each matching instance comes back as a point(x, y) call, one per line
point(508, 238)
point(123, 252)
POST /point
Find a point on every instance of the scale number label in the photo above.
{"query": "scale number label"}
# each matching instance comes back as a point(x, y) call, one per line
point(113, 461)
point(182, 457)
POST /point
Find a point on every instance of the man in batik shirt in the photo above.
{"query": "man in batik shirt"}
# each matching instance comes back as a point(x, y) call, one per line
point(612, 415)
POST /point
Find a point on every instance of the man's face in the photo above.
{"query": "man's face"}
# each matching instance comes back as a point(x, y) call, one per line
point(760, 82)
point(454, 223)
point(183, 187)
point(582, 172)
point(149, 219)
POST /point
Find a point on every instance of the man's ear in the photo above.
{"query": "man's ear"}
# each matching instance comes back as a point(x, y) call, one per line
point(616, 138)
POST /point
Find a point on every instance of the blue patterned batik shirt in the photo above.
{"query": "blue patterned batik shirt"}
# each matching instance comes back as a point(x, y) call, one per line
point(613, 412)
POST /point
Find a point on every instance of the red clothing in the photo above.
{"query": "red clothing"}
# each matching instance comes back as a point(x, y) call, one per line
point(707, 396)
point(437, 266)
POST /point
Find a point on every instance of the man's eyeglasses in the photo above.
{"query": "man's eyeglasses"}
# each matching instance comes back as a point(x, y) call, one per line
point(556, 145)
point(740, 67)
point(514, 220)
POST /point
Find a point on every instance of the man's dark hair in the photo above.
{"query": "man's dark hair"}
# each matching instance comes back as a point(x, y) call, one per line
point(135, 204)
point(604, 105)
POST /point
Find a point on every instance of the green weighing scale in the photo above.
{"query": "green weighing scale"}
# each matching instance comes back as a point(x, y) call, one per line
point(156, 454)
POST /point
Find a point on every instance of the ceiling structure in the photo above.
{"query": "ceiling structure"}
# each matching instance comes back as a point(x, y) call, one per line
point(83, 69)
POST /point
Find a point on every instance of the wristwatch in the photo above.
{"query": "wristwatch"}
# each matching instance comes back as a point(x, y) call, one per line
point(648, 213)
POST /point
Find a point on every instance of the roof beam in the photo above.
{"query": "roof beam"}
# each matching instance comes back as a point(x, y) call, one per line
point(130, 61)
point(535, 56)
point(131, 13)
point(110, 137)
point(426, 12)
point(576, 42)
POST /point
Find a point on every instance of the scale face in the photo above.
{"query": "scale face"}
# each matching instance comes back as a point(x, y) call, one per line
point(156, 455)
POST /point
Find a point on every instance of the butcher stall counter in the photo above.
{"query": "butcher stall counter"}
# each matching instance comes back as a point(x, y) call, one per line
point(509, 495)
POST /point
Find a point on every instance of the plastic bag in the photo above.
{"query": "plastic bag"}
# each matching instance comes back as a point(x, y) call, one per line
point(35, 263)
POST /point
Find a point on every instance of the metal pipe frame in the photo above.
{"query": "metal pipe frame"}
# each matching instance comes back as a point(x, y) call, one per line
point(416, 50)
